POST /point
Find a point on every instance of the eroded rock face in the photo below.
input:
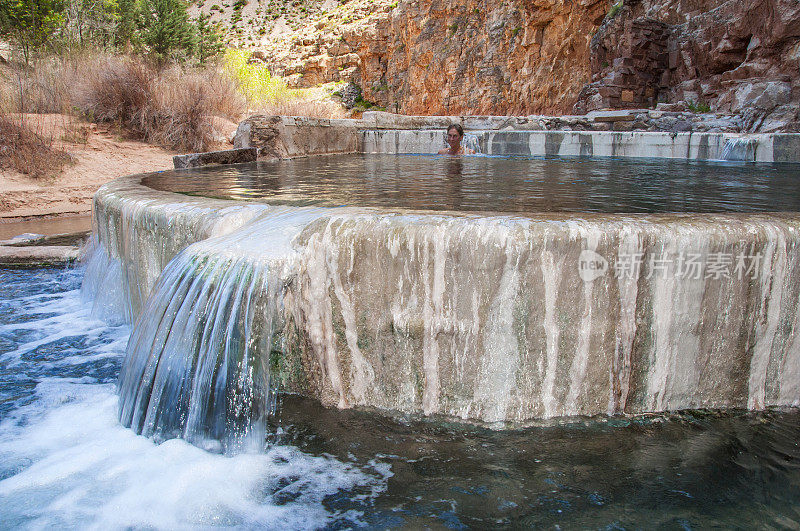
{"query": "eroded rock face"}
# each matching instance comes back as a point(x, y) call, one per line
point(463, 56)
point(736, 56)
point(451, 57)
point(455, 56)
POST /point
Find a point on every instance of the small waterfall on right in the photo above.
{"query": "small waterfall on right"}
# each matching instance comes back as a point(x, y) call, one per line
point(739, 149)
point(470, 141)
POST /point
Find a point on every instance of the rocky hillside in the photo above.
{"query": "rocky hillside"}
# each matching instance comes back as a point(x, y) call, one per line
point(447, 56)
point(542, 56)
point(732, 56)
point(255, 24)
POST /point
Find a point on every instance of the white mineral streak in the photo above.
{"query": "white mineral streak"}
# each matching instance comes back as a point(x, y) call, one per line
point(588, 237)
point(677, 301)
point(551, 276)
point(771, 282)
point(630, 244)
point(361, 372)
point(499, 362)
point(402, 303)
point(318, 314)
point(432, 268)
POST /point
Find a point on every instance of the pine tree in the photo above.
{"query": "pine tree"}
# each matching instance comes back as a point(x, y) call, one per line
point(166, 28)
point(125, 32)
point(209, 43)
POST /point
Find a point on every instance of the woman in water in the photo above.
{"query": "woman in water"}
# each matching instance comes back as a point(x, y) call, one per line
point(455, 133)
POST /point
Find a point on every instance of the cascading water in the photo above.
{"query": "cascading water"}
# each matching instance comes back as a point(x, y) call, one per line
point(198, 363)
point(471, 141)
point(739, 149)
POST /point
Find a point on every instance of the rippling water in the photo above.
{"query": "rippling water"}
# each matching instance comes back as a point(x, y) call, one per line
point(65, 461)
point(499, 184)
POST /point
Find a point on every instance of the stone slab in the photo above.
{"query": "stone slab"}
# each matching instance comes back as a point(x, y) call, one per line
point(38, 256)
point(227, 156)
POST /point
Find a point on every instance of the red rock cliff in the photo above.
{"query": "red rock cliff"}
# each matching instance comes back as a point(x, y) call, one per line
point(455, 56)
point(736, 56)
point(483, 57)
point(544, 56)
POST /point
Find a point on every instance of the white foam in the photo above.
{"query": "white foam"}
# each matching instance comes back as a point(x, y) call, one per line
point(79, 467)
point(66, 462)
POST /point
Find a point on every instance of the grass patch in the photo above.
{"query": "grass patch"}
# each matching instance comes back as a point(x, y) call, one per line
point(698, 107)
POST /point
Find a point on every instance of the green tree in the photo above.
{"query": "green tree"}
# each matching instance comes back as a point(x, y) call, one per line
point(166, 30)
point(30, 24)
point(125, 31)
point(209, 43)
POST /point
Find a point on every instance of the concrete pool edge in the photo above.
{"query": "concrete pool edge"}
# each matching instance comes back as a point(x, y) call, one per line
point(581, 371)
point(377, 132)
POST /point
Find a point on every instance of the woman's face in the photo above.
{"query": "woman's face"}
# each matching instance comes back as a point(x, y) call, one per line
point(453, 138)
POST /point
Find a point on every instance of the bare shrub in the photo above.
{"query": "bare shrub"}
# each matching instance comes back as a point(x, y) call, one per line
point(117, 91)
point(170, 107)
point(26, 150)
point(43, 89)
point(302, 107)
point(185, 103)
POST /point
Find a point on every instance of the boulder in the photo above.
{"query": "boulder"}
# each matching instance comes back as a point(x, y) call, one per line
point(293, 136)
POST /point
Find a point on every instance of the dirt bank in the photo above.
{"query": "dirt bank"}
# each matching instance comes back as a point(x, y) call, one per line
point(98, 156)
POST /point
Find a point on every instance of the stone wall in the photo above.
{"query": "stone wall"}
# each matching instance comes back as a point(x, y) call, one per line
point(289, 136)
point(635, 133)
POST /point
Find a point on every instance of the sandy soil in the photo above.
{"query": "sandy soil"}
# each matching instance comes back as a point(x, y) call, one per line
point(99, 156)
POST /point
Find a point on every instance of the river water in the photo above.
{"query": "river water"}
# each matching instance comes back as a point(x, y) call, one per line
point(66, 462)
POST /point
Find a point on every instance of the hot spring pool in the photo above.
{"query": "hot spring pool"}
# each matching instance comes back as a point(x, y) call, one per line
point(491, 289)
point(493, 184)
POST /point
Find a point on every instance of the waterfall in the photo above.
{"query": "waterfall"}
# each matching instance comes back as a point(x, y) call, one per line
point(470, 141)
point(198, 363)
point(741, 149)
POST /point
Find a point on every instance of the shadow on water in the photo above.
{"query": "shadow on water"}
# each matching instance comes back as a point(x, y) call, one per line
point(694, 469)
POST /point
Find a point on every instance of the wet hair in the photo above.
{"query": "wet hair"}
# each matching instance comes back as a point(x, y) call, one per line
point(457, 127)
